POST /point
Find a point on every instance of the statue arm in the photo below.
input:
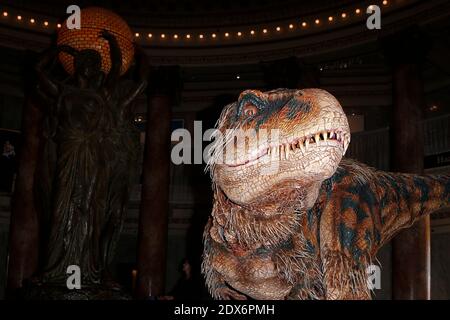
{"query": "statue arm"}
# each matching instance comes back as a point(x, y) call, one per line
point(142, 82)
point(134, 93)
point(115, 56)
point(46, 85)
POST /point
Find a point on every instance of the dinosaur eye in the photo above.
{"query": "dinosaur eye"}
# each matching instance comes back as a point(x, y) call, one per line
point(250, 110)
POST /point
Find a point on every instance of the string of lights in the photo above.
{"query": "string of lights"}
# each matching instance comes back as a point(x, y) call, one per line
point(249, 34)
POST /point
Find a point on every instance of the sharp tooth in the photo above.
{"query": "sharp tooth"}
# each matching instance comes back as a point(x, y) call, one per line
point(294, 146)
point(332, 135)
point(347, 142)
point(317, 137)
point(269, 151)
point(287, 147)
point(325, 136)
point(306, 143)
point(302, 146)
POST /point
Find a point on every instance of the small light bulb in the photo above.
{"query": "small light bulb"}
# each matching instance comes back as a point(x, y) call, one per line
point(163, 35)
point(188, 36)
point(227, 34)
point(150, 35)
point(385, 2)
point(252, 32)
point(32, 20)
point(344, 15)
point(291, 26)
point(358, 11)
point(5, 14)
point(317, 21)
point(58, 25)
point(239, 34)
point(278, 28)
point(264, 30)
point(136, 34)
point(46, 23)
point(330, 18)
point(200, 36)
point(304, 24)
point(19, 17)
point(214, 35)
point(175, 36)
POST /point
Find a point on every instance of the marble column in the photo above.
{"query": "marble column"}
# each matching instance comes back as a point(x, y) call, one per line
point(24, 226)
point(154, 208)
point(411, 248)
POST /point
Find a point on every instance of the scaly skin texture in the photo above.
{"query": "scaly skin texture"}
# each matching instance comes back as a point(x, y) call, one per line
point(309, 228)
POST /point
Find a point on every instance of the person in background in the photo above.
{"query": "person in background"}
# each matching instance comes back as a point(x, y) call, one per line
point(188, 286)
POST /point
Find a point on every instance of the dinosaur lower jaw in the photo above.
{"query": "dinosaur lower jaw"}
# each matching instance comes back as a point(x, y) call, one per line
point(297, 147)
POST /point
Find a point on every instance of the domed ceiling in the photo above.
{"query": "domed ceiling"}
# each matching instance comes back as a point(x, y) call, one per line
point(193, 12)
point(227, 31)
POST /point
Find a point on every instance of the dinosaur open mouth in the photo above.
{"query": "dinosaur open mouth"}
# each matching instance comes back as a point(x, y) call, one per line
point(282, 151)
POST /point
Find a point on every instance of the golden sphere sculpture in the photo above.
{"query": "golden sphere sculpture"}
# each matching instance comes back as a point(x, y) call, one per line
point(93, 21)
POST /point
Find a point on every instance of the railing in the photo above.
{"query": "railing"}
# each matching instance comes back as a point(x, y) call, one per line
point(372, 147)
point(437, 135)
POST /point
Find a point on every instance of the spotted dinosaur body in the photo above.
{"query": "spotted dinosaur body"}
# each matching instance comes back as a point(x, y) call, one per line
point(292, 219)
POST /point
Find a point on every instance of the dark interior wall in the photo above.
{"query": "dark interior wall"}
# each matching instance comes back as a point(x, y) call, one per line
point(10, 112)
point(3, 254)
point(440, 266)
point(124, 260)
point(12, 80)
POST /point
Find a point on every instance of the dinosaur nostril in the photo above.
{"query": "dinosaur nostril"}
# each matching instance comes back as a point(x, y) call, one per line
point(250, 110)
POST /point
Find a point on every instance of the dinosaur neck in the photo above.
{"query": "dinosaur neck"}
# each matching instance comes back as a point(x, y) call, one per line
point(270, 221)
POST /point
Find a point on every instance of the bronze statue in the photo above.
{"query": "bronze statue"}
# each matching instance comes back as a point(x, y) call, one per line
point(88, 160)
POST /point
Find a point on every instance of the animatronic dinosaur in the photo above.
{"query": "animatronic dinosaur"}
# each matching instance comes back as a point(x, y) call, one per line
point(310, 229)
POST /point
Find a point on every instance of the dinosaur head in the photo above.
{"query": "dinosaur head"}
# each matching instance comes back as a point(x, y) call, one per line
point(278, 139)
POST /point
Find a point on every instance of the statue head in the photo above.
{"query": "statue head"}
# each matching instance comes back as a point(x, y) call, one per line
point(87, 63)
